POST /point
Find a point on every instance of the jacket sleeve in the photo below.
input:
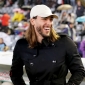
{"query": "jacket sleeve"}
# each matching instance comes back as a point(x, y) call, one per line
point(74, 63)
point(16, 71)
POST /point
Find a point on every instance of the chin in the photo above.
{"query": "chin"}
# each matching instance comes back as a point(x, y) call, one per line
point(46, 36)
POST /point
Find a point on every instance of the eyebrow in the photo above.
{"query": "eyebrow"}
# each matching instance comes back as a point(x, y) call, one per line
point(35, 17)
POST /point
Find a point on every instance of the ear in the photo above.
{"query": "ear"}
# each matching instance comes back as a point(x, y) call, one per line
point(32, 21)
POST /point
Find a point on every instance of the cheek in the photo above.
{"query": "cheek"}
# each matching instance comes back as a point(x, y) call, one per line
point(39, 23)
point(38, 29)
point(0, 42)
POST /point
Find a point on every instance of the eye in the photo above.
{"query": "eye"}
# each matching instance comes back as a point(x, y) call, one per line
point(45, 18)
point(51, 19)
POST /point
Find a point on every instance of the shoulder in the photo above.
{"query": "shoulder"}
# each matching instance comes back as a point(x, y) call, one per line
point(62, 35)
point(22, 41)
point(62, 38)
point(65, 39)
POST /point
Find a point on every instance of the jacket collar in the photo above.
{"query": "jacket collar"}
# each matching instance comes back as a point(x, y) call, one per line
point(45, 43)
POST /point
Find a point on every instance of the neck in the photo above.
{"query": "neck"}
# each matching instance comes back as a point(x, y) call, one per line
point(39, 38)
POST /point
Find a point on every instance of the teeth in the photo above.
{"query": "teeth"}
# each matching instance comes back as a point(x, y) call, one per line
point(47, 28)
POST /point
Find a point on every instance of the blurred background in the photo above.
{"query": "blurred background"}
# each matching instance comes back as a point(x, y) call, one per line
point(14, 21)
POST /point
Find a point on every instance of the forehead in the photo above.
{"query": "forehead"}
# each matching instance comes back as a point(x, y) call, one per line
point(1, 39)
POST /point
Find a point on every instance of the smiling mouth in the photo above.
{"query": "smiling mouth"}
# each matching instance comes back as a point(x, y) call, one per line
point(47, 28)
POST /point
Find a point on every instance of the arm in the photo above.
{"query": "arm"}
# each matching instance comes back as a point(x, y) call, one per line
point(16, 71)
point(74, 63)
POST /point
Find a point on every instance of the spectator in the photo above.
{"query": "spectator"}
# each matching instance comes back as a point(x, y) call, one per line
point(66, 1)
point(28, 15)
point(70, 31)
point(73, 3)
point(6, 37)
point(1, 3)
point(38, 2)
point(18, 16)
point(2, 44)
point(82, 48)
point(21, 16)
point(5, 20)
point(64, 17)
point(80, 9)
point(70, 17)
point(8, 3)
point(51, 4)
point(20, 3)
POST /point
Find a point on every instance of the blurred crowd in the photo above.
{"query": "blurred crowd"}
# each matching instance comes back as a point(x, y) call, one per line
point(13, 26)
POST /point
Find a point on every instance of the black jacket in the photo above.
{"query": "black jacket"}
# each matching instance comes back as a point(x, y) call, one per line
point(48, 63)
point(80, 11)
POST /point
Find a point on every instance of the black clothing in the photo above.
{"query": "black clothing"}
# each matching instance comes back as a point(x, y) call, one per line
point(27, 16)
point(66, 1)
point(20, 3)
point(71, 30)
point(47, 63)
point(80, 11)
